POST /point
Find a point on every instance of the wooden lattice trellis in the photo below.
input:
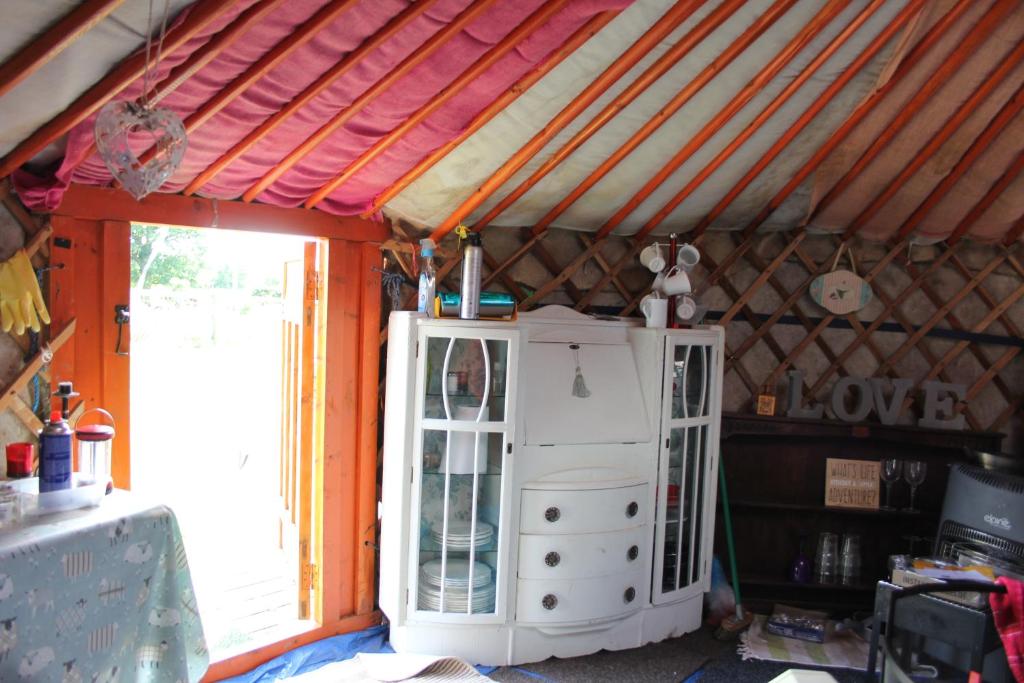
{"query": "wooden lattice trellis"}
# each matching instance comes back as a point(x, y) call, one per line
point(947, 312)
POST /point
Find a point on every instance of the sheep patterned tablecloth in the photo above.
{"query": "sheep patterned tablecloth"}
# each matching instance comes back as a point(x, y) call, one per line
point(99, 596)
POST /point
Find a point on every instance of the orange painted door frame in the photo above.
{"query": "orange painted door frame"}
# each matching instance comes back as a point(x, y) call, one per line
point(90, 277)
point(94, 255)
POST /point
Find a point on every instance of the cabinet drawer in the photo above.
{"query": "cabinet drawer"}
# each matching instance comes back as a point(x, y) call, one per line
point(580, 556)
point(582, 511)
point(555, 601)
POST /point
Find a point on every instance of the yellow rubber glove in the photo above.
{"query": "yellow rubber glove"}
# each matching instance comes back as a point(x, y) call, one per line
point(10, 303)
point(26, 275)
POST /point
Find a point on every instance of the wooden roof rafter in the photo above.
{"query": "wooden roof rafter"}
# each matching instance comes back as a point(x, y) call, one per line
point(764, 22)
point(739, 101)
point(679, 12)
point(344, 115)
point(123, 75)
point(336, 72)
point(537, 19)
point(198, 59)
point(585, 33)
point(923, 47)
point(981, 143)
point(54, 40)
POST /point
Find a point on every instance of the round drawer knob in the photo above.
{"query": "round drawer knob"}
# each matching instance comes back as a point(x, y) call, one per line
point(632, 509)
point(632, 553)
point(552, 514)
point(552, 559)
point(549, 601)
point(629, 595)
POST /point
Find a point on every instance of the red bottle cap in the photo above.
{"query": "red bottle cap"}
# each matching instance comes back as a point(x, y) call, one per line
point(55, 416)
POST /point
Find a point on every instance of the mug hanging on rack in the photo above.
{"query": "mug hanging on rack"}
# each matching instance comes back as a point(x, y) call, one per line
point(841, 291)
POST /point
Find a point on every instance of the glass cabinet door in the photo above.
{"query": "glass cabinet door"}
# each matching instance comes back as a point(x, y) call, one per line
point(463, 448)
point(689, 416)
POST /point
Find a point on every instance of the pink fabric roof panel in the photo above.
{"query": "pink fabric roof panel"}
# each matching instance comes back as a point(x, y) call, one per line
point(301, 68)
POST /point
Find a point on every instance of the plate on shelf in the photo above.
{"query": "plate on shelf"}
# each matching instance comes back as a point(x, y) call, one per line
point(460, 535)
point(456, 574)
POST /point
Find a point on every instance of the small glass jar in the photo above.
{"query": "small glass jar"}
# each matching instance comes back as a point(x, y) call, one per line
point(95, 442)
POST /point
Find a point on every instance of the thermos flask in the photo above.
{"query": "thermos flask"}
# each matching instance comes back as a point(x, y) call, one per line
point(472, 259)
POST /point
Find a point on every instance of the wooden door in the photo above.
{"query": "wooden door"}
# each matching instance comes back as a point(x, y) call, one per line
point(89, 278)
point(302, 381)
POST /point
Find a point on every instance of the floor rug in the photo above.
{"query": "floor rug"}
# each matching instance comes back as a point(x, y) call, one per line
point(849, 651)
point(669, 661)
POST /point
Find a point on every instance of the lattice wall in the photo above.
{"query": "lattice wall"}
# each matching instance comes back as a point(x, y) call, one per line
point(949, 313)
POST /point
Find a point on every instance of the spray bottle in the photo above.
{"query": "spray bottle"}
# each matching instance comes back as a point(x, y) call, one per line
point(55, 454)
point(428, 280)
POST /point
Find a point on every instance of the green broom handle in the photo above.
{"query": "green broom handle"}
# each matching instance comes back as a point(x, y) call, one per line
point(728, 533)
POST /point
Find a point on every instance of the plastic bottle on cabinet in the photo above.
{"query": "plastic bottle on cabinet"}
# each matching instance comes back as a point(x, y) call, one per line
point(428, 279)
point(55, 454)
point(472, 260)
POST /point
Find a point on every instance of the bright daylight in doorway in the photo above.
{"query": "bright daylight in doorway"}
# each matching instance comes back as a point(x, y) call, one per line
point(207, 309)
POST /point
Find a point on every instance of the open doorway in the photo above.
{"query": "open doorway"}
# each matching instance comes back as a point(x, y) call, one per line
point(212, 410)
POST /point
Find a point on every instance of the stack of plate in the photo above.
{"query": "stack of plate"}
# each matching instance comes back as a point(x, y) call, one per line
point(456, 586)
point(460, 535)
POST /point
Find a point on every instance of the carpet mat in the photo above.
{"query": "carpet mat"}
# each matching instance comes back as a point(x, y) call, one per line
point(669, 661)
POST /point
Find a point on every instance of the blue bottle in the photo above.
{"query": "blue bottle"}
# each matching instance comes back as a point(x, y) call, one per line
point(55, 454)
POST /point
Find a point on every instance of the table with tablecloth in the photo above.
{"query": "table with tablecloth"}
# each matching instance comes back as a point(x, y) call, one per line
point(99, 595)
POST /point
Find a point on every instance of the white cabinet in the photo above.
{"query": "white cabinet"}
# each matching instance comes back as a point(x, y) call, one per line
point(549, 484)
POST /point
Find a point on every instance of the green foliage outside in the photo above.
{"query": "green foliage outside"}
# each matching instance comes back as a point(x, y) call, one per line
point(180, 258)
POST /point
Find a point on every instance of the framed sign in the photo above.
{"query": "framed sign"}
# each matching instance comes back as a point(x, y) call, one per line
point(851, 483)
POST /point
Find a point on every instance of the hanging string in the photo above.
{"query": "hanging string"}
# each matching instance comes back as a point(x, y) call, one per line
point(147, 71)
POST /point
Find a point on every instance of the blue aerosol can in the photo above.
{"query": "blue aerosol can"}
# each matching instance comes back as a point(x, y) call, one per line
point(55, 454)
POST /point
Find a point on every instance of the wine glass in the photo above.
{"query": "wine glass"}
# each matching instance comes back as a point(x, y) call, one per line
point(890, 473)
point(914, 472)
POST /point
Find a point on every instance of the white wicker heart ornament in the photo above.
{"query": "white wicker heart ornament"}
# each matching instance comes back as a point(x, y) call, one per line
point(160, 129)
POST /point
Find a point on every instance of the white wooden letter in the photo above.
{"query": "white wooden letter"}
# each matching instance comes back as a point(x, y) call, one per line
point(888, 413)
point(863, 404)
point(796, 398)
point(938, 402)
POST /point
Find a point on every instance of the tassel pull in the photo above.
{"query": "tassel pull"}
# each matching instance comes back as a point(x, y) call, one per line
point(579, 385)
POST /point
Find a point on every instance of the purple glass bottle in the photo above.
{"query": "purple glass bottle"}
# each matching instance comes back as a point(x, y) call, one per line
point(800, 570)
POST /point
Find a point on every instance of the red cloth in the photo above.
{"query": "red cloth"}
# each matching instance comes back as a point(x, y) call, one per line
point(1008, 613)
point(301, 68)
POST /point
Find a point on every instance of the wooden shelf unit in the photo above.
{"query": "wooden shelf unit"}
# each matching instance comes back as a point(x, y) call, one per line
point(775, 471)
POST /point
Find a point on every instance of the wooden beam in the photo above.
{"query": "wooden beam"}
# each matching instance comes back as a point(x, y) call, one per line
point(417, 57)
point(951, 63)
point(685, 94)
point(930, 39)
point(761, 79)
point(977, 148)
point(53, 41)
point(991, 195)
point(312, 91)
point(582, 35)
point(658, 32)
point(963, 112)
point(539, 17)
point(260, 68)
point(618, 69)
point(1014, 233)
point(97, 203)
point(586, 241)
point(123, 75)
point(755, 125)
point(856, 66)
point(758, 282)
point(205, 54)
point(34, 365)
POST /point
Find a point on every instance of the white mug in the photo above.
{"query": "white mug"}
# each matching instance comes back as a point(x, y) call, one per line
point(655, 309)
point(687, 257)
point(676, 282)
point(686, 308)
point(652, 258)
